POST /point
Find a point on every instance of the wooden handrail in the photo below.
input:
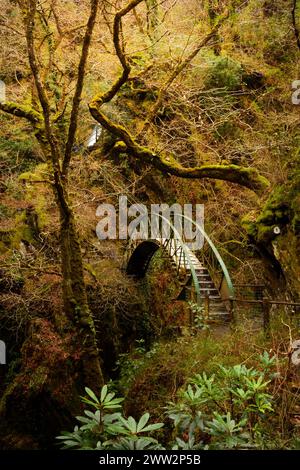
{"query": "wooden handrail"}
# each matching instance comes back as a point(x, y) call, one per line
point(249, 285)
point(272, 302)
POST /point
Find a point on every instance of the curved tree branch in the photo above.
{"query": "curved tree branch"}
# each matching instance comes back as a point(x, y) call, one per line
point(248, 177)
point(22, 111)
point(109, 95)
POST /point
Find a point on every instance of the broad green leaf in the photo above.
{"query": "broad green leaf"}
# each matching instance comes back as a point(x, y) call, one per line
point(89, 413)
point(132, 424)
point(90, 402)
point(116, 429)
point(82, 419)
point(109, 397)
point(103, 393)
point(142, 422)
point(153, 427)
point(71, 443)
point(116, 400)
point(91, 394)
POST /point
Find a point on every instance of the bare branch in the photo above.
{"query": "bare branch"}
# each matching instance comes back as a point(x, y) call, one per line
point(180, 67)
point(79, 84)
point(108, 96)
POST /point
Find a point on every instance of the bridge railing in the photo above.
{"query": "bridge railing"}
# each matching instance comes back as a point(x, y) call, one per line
point(213, 260)
point(221, 281)
point(182, 254)
point(268, 307)
point(177, 249)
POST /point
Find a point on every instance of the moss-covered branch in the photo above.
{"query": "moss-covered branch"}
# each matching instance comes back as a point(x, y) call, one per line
point(20, 110)
point(248, 177)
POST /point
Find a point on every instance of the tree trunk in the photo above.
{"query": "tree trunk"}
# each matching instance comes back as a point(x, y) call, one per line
point(75, 298)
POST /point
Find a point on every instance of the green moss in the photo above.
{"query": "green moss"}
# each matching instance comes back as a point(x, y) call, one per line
point(22, 110)
point(250, 226)
point(280, 210)
point(224, 72)
point(22, 231)
point(248, 177)
point(40, 172)
point(88, 267)
point(29, 222)
point(38, 378)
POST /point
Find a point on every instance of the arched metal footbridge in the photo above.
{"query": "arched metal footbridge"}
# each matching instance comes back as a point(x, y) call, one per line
point(204, 275)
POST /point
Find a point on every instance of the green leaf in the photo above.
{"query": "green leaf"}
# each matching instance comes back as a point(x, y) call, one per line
point(109, 397)
point(116, 429)
point(71, 443)
point(82, 419)
point(113, 403)
point(132, 424)
point(89, 402)
point(103, 393)
point(89, 413)
point(153, 427)
point(142, 422)
point(91, 394)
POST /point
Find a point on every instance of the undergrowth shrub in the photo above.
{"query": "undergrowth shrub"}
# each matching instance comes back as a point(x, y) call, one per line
point(229, 409)
point(224, 72)
point(107, 428)
point(224, 410)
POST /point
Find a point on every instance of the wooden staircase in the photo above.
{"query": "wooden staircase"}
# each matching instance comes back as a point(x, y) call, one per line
point(183, 260)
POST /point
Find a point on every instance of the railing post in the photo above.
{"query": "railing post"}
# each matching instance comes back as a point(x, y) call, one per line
point(266, 316)
point(206, 307)
point(231, 309)
point(179, 263)
point(193, 300)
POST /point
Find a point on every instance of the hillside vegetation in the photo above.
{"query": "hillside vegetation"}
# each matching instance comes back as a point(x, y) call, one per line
point(193, 100)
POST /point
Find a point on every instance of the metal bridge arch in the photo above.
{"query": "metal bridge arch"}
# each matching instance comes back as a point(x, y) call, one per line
point(144, 250)
point(141, 257)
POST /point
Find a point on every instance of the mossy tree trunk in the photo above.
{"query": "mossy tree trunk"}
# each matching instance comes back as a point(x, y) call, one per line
point(57, 149)
point(74, 295)
point(213, 15)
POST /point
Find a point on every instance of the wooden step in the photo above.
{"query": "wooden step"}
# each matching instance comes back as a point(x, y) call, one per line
point(222, 317)
point(212, 297)
point(182, 262)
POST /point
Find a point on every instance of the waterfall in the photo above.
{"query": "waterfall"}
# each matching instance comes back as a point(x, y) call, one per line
point(96, 133)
